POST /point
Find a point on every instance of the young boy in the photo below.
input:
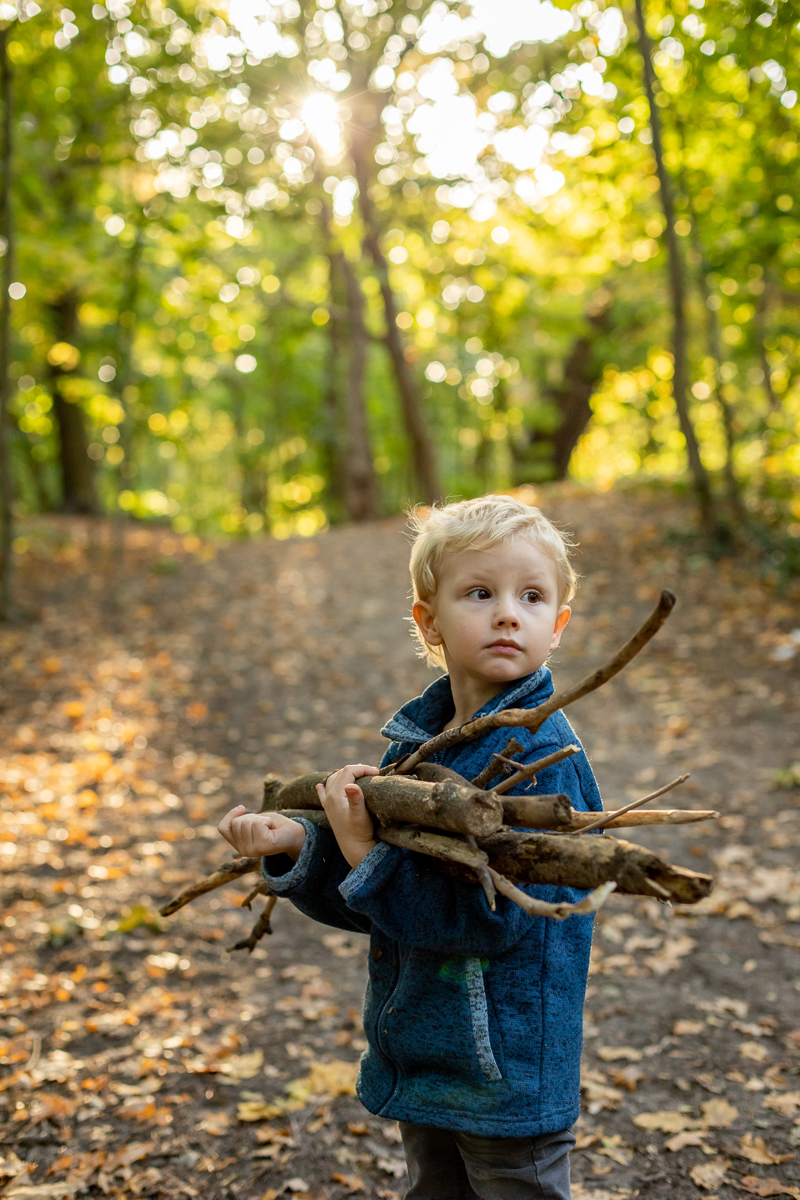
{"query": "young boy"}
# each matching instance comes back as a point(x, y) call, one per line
point(473, 1017)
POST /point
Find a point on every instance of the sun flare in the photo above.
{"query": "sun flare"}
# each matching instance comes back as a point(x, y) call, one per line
point(321, 116)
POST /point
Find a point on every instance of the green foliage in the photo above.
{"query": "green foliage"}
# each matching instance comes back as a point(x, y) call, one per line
point(174, 169)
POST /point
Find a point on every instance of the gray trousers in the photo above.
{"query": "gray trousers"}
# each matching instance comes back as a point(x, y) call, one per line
point(445, 1165)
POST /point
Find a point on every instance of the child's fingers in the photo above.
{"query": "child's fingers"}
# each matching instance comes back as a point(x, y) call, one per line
point(321, 791)
point(354, 795)
point(225, 825)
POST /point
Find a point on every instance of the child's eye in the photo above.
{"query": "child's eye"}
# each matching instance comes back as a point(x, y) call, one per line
point(479, 593)
point(532, 596)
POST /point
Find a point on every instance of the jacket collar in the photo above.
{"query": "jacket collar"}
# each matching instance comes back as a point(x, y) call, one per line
point(426, 715)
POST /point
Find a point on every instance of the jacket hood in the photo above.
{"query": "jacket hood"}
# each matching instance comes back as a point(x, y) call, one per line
point(423, 717)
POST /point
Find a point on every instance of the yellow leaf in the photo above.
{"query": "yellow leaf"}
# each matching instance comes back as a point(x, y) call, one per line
point(667, 1122)
point(711, 1174)
point(242, 1066)
point(718, 1114)
point(755, 1151)
point(613, 1053)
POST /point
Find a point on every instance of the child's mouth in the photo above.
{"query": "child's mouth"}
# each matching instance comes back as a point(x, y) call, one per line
point(507, 648)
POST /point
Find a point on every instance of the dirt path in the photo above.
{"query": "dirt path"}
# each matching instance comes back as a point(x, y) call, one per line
point(140, 698)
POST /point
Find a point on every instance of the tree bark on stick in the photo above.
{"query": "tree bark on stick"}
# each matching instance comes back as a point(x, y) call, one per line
point(6, 223)
point(394, 799)
point(677, 286)
point(587, 861)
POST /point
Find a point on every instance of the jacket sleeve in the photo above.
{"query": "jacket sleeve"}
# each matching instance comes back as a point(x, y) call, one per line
point(408, 899)
point(312, 883)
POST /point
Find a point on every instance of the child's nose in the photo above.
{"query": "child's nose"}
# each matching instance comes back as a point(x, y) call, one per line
point(506, 617)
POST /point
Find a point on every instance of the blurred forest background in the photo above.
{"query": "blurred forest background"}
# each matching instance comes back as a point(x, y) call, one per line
point(269, 265)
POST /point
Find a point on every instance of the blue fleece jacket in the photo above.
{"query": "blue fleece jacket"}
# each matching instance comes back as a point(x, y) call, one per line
point(473, 1019)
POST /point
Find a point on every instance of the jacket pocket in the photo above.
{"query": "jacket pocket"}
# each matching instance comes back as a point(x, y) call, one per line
point(479, 1015)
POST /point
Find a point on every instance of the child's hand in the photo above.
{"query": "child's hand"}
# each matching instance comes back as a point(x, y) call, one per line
point(344, 806)
point(256, 834)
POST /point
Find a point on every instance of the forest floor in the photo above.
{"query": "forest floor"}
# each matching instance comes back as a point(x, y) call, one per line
point(146, 691)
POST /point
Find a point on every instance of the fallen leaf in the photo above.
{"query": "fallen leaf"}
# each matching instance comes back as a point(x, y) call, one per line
point(628, 1078)
point(613, 1053)
point(242, 1066)
point(11, 1166)
point(688, 1137)
point(295, 1185)
point(755, 1150)
point(216, 1123)
point(42, 1191)
point(787, 1104)
point(670, 955)
point(718, 1114)
point(393, 1166)
point(126, 1155)
point(689, 1028)
point(353, 1183)
point(665, 1121)
point(754, 1052)
point(710, 1174)
point(597, 1092)
point(768, 1187)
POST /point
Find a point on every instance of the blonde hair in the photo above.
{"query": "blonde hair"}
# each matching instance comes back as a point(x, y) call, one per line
point(479, 524)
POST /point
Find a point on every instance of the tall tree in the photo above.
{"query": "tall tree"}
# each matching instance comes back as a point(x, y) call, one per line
point(7, 227)
point(677, 285)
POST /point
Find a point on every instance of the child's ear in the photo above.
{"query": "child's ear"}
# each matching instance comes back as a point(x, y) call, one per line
point(425, 619)
point(562, 618)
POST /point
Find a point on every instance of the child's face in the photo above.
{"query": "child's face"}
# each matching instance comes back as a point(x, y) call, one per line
point(496, 612)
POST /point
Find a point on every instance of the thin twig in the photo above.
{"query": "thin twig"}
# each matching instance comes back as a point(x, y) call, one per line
point(261, 927)
point(542, 908)
point(261, 889)
point(485, 879)
point(534, 718)
point(490, 770)
point(530, 771)
point(224, 874)
point(607, 818)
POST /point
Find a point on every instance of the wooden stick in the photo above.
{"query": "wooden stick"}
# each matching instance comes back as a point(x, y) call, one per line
point(606, 819)
point(543, 908)
point(655, 816)
point(261, 927)
point(224, 874)
point(491, 769)
point(538, 812)
point(586, 862)
point(534, 718)
point(437, 845)
point(393, 799)
point(530, 771)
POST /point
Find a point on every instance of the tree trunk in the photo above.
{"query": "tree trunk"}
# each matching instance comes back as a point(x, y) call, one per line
point(422, 449)
point(6, 482)
point(702, 484)
point(356, 482)
point(77, 469)
point(732, 487)
point(359, 484)
point(582, 372)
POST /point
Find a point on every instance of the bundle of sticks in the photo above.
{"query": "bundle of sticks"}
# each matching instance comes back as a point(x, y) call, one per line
point(481, 834)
